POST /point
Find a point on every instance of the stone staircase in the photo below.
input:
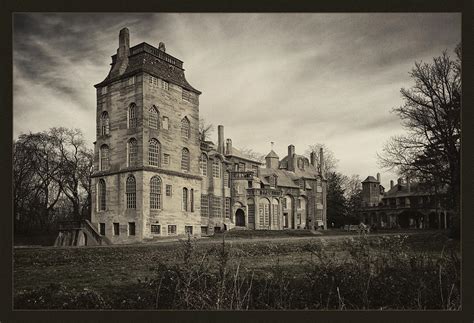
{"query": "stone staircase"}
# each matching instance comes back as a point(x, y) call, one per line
point(79, 233)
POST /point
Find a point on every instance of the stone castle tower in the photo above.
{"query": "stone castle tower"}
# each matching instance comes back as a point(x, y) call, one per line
point(147, 150)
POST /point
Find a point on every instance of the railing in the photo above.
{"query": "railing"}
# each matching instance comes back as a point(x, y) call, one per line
point(263, 192)
point(249, 175)
point(157, 53)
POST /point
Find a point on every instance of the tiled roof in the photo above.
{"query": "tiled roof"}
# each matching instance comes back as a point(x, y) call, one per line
point(309, 170)
point(285, 178)
point(370, 179)
point(238, 154)
point(146, 58)
point(399, 190)
point(272, 154)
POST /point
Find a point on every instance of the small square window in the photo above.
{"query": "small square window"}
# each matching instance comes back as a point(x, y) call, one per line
point(102, 229)
point(172, 229)
point(169, 190)
point(131, 228)
point(188, 229)
point(204, 230)
point(116, 229)
point(166, 159)
point(156, 229)
point(104, 90)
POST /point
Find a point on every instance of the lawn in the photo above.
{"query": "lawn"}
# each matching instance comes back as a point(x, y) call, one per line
point(127, 276)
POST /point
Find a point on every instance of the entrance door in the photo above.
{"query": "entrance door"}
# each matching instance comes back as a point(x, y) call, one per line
point(240, 218)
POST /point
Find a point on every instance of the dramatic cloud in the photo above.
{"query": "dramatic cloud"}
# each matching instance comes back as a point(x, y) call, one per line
point(288, 78)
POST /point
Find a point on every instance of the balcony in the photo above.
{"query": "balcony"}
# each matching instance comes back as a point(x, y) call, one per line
point(263, 192)
point(248, 175)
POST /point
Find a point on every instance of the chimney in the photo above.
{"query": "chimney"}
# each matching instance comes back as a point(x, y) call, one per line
point(121, 62)
point(408, 184)
point(220, 139)
point(228, 146)
point(312, 157)
point(291, 161)
point(391, 183)
point(321, 160)
point(378, 177)
point(399, 181)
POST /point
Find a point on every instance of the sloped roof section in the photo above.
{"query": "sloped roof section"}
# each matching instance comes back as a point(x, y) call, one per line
point(238, 154)
point(272, 154)
point(146, 58)
point(370, 179)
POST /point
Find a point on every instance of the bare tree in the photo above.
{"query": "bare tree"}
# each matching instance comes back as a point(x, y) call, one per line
point(205, 130)
point(330, 160)
point(251, 154)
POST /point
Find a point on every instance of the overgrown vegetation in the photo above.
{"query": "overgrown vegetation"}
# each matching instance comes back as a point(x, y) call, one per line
point(388, 272)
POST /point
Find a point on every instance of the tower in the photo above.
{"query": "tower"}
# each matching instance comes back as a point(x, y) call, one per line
point(371, 191)
point(146, 179)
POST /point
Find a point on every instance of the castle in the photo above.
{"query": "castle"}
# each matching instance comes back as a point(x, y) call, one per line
point(406, 204)
point(154, 176)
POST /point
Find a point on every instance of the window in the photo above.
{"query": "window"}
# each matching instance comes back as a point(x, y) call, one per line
point(204, 205)
point(164, 85)
point(132, 116)
point(102, 195)
point(153, 80)
point(273, 181)
point(301, 184)
point(166, 123)
point(250, 184)
point(283, 203)
point(131, 193)
point(241, 167)
point(104, 90)
point(299, 203)
point(169, 190)
point(217, 206)
point(166, 159)
point(154, 152)
point(116, 229)
point(131, 80)
point(185, 199)
point(104, 157)
point(185, 159)
point(203, 165)
point(275, 212)
point(155, 193)
point(255, 169)
point(236, 167)
point(264, 212)
point(154, 118)
point(132, 152)
point(226, 179)
point(172, 229)
point(102, 229)
point(186, 95)
point(216, 168)
point(204, 230)
point(298, 218)
point(131, 228)
point(104, 123)
point(192, 199)
point(227, 207)
point(188, 229)
point(185, 128)
point(155, 229)
point(251, 208)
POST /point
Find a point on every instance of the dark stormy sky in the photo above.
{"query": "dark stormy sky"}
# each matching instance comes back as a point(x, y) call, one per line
point(289, 78)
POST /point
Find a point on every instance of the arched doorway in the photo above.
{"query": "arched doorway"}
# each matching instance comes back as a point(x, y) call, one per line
point(240, 218)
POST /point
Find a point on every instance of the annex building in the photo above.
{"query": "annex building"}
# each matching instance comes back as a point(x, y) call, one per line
point(154, 177)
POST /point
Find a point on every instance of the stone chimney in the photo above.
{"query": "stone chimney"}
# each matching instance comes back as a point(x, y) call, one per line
point(391, 183)
point(228, 146)
point(408, 184)
point(121, 62)
point(312, 157)
point(291, 158)
point(378, 177)
point(321, 160)
point(220, 139)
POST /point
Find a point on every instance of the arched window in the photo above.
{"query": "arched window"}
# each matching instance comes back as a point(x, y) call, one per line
point(102, 195)
point(216, 168)
point(131, 192)
point(226, 179)
point(192, 200)
point(155, 193)
point(185, 199)
point(104, 123)
point(132, 116)
point(275, 212)
point(185, 128)
point(154, 152)
point(185, 159)
point(154, 118)
point(104, 157)
point(203, 164)
point(264, 212)
point(132, 152)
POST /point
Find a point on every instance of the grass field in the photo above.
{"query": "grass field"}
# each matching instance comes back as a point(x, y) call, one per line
point(171, 274)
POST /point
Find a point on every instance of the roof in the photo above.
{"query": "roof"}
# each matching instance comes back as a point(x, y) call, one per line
point(238, 154)
point(309, 170)
point(370, 179)
point(416, 189)
point(149, 59)
point(285, 178)
point(272, 154)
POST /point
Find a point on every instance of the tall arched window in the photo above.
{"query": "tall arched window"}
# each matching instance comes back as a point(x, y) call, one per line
point(154, 152)
point(185, 159)
point(203, 164)
point(154, 118)
point(185, 128)
point(216, 168)
point(104, 157)
point(132, 152)
point(192, 200)
point(155, 193)
point(132, 116)
point(102, 195)
point(185, 199)
point(104, 123)
point(131, 192)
